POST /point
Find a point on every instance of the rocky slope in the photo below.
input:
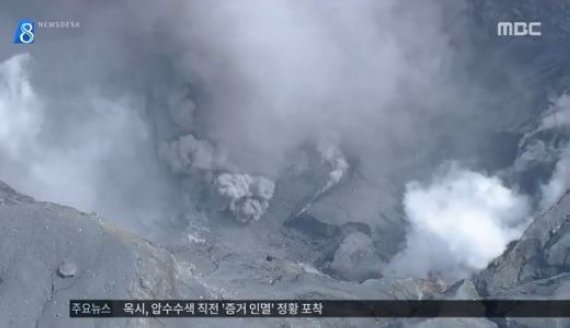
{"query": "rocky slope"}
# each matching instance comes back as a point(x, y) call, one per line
point(51, 253)
point(536, 266)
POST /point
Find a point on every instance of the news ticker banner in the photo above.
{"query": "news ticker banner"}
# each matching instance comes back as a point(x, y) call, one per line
point(317, 308)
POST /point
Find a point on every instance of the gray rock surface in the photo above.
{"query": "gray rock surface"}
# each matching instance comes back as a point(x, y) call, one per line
point(542, 252)
point(355, 259)
point(534, 267)
point(41, 240)
point(50, 254)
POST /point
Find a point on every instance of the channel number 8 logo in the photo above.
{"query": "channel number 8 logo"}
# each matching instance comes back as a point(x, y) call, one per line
point(25, 32)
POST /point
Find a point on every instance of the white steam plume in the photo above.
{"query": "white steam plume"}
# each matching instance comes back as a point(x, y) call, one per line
point(558, 184)
point(95, 164)
point(557, 119)
point(458, 224)
point(332, 157)
point(20, 108)
point(558, 115)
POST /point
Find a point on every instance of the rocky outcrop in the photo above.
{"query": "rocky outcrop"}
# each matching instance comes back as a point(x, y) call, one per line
point(542, 252)
point(534, 267)
point(50, 254)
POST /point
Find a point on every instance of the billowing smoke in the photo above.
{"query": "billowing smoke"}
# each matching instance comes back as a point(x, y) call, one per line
point(20, 109)
point(337, 165)
point(558, 116)
point(334, 158)
point(459, 222)
point(559, 183)
point(558, 119)
point(148, 105)
point(245, 196)
point(546, 150)
point(95, 164)
point(187, 155)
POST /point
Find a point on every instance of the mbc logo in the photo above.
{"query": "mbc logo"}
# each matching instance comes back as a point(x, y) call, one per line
point(24, 32)
point(518, 29)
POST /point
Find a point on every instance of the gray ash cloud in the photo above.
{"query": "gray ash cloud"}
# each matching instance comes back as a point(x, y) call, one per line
point(150, 110)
